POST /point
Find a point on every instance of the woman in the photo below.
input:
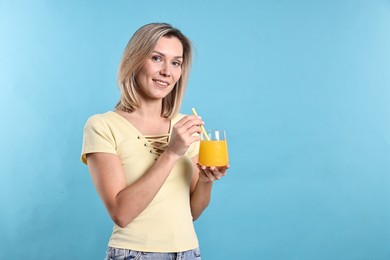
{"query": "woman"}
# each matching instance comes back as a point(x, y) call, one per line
point(143, 155)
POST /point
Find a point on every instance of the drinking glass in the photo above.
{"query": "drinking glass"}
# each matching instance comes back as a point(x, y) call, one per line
point(213, 149)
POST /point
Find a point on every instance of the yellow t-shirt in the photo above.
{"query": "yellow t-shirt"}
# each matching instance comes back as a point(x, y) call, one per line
point(166, 224)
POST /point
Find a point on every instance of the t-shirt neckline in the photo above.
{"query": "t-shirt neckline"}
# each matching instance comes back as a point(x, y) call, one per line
point(138, 131)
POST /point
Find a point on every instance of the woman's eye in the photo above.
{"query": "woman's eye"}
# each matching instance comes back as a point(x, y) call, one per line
point(176, 63)
point(156, 58)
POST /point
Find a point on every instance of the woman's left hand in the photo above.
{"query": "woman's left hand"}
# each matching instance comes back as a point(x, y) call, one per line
point(211, 173)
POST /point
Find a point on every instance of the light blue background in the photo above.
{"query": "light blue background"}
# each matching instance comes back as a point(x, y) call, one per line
point(301, 87)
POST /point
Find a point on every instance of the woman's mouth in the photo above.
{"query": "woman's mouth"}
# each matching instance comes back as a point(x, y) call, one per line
point(161, 82)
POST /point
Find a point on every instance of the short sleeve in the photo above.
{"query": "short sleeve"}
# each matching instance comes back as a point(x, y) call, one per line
point(97, 137)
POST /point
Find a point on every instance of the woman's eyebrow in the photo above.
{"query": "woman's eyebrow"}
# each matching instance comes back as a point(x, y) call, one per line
point(162, 54)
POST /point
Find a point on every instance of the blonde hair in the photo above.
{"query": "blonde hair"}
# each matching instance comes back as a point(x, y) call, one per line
point(138, 49)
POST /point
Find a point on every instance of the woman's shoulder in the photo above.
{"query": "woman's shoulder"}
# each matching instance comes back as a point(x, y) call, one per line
point(101, 118)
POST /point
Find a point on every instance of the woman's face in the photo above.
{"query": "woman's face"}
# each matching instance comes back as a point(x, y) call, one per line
point(162, 69)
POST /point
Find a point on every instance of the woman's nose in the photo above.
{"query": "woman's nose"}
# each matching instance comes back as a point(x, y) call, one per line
point(165, 70)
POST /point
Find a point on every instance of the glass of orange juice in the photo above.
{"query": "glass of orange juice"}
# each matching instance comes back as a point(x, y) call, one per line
point(213, 149)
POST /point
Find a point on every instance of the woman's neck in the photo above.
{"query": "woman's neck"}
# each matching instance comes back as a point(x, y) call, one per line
point(150, 112)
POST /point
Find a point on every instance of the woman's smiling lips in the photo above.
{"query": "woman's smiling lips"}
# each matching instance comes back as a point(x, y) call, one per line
point(161, 82)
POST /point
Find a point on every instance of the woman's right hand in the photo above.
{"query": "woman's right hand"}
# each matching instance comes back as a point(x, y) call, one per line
point(182, 135)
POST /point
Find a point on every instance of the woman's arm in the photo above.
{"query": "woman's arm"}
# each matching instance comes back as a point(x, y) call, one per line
point(124, 203)
point(202, 182)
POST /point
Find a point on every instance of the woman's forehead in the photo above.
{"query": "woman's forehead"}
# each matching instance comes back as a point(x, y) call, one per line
point(169, 46)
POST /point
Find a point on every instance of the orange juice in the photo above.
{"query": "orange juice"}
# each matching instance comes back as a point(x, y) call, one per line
point(213, 153)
